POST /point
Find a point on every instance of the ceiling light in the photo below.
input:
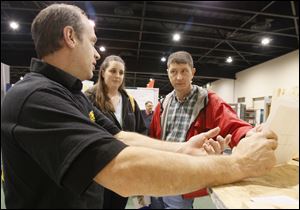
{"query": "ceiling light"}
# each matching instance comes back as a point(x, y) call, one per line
point(102, 49)
point(163, 59)
point(92, 23)
point(14, 25)
point(265, 41)
point(229, 59)
point(176, 37)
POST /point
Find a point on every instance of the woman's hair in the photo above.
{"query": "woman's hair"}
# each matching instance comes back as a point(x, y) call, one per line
point(100, 88)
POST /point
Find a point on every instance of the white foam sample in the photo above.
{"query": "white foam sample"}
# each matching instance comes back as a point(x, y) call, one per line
point(284, 121)
point(274, 202)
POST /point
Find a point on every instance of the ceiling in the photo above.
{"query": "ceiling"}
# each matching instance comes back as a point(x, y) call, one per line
point(141, 33)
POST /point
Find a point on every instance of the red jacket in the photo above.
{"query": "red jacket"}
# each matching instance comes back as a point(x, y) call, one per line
point(215, 113)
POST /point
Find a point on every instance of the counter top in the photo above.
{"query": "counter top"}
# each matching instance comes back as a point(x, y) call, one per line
point(261, 192)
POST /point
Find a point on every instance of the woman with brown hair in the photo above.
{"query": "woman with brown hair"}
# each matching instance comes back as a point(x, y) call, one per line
point(110, 96)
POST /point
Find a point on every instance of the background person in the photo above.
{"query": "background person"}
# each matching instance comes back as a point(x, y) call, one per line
point(147, 114)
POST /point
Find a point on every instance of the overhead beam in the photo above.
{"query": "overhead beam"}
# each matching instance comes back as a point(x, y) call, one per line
point(295, 20)
point(238, 53)
point(185, 46)
point(250, 19)
point(141, 30)
point(226, 9)
point(237, 29)
point(172, 21)
point(196, 37)
point(142, 50)
point(220, 26)
point(168, 34)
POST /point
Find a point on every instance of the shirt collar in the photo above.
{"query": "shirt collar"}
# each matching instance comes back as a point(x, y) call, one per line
point(56, 74)
point(188, 97)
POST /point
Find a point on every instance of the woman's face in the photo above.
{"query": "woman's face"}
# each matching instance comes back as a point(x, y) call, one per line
point(113, 75)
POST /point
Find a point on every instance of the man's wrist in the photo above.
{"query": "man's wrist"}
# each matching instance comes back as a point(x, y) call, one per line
point(239, 167)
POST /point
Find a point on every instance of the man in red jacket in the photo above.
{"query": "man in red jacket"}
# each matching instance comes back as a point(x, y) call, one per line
point(187, 111)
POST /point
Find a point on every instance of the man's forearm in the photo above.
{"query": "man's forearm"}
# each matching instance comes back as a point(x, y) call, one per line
point(142, 171)
point(135, 139)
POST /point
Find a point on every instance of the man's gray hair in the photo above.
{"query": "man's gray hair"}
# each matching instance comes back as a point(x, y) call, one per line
point(180, 57)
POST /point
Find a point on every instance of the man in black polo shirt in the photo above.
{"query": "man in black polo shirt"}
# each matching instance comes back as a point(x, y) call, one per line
point(58, 150)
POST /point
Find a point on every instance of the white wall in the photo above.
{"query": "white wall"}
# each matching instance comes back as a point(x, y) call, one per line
point(5, 78)
point(261, 80)
point(224, 88)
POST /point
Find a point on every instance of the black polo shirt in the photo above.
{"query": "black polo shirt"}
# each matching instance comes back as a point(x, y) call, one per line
point(51, 146)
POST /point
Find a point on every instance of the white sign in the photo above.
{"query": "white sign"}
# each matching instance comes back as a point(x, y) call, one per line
point(142, 95)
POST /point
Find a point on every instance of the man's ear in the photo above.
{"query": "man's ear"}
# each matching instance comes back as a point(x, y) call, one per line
point(69, 36)
point(193, 71)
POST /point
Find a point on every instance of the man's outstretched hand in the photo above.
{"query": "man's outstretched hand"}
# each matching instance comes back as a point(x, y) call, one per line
point(203, 143)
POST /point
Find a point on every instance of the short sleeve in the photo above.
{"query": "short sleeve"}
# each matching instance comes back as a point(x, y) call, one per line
point(54, 132)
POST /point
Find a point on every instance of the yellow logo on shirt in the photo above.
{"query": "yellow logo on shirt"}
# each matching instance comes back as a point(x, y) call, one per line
point(92, 116)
